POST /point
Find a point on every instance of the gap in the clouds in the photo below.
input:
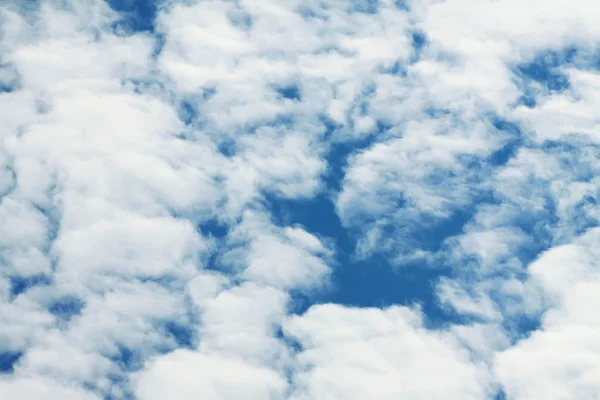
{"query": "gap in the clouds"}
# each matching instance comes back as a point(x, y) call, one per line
point(419, 41)
point(573, 157)
point(339, 152)
point(290, 342)
point(188, 107)
point(20, 284)
point(509, 150)
point(8, 359)
point(214, 228)
point(431, 236)
point(581, 214)
point(523, 326)
point(66, 307)
point(218, 231)
point(136, 15)
point(126, 358)
point(291, 92)
point(402, 5)
point(187, 112)
point(182, 335)
point(544, 70)
point(8, 87)
point(372, 282)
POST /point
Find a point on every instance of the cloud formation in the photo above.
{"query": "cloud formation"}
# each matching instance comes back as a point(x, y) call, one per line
point(143, 158)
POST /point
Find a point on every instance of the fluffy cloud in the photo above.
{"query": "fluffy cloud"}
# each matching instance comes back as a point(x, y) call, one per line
point(140, 256)
point(558, 361)
point(357, 353)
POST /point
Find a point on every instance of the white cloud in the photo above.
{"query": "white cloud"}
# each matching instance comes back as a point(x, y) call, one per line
point(559, 360)
point(32, 388)
point(103, 187)
point(188, 375)
point(414, 181)
point(358, 353)
point(286, 258)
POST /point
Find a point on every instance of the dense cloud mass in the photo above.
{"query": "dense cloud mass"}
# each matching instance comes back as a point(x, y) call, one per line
point(299, 200)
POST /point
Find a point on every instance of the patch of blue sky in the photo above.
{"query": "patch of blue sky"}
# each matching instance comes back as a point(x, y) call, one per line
point(182, 334)
point(126, 358)
point(188, 108)
point(290, 92)
point(7, 87)
point(542, 75)
point(8, 359)
point(419, 41)
point(136, 15)
point(370, 282)
point(516, 140)
point(66, 307)
point(578, 156)
point(544, 68)
point(500, 395)
point(20, 284)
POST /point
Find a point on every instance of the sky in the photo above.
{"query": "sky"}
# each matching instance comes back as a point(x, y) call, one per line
point(299, 199)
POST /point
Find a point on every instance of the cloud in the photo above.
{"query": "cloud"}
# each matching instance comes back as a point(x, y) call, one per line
point(188, 375)
point(138, 166)
point(357, 353)
point(31, 388)
point(557, 361)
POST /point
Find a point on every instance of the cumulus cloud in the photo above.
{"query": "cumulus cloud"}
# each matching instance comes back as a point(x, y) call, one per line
point(357, 353)
point(140, 171)
point(558, 361)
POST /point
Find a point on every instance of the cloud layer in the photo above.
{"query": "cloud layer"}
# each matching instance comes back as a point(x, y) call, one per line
point(149, 152)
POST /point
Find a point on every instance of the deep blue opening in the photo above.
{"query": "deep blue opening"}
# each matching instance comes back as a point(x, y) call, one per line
point(291, 343)
point(66, 307)
point(7, 87)
point(289, 92)
point(19, 284)
point(402, 5)
point(183, 335)
point(8, 359)
point(502, 156)
point(187, 112)
point(128, 359)
point(137, 15)
point(543, 69)
point(430, 236)
point(214, 228)
point(227, 148)
point(372, 282)
point(419, 40)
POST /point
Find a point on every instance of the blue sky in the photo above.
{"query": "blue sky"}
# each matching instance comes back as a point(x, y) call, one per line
point(299, 200)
